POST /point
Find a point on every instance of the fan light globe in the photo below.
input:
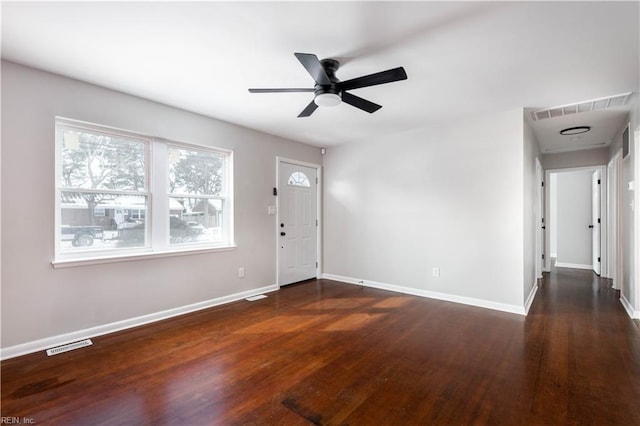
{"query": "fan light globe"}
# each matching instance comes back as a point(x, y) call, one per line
point(327, 99)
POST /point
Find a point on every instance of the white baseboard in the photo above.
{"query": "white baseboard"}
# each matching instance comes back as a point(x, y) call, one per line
point(62, 339)
point(629, 308)
point(514, 309)
point(573, 265)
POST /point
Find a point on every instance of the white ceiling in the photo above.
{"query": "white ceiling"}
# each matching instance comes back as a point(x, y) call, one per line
point(462, 59)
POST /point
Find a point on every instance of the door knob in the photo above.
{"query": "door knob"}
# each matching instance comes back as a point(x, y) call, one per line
point(283, 234)
point(590, 226)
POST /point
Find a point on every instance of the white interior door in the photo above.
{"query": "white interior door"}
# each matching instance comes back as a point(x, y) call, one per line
point(595, 221)
point(297, 223)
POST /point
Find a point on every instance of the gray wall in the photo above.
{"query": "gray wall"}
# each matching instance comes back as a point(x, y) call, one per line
point(566, 160)
point(448, 196)
point(630, 283)
point(38, 301)
point(574, 216)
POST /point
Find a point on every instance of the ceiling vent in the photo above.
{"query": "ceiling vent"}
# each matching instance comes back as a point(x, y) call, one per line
point(592, 105)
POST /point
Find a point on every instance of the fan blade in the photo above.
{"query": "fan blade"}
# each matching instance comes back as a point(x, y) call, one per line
point(382, 77)
point(314, 67)
point(279, 90)
point(358, 102)
point(308, 110)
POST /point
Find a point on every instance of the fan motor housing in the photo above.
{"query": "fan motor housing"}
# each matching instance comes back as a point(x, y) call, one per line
point(330, 67)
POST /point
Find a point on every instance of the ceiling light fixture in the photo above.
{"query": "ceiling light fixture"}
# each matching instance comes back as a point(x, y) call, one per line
point(327, 99)
point(575, 130)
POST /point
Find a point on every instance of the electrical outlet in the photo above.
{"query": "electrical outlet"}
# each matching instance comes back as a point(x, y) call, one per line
point(241, 272)
point(436, 272)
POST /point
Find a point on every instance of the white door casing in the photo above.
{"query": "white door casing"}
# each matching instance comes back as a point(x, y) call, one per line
point(614, 221)
point(595, 221)
point(539, 217)
point(548, 205)
point(297, 222)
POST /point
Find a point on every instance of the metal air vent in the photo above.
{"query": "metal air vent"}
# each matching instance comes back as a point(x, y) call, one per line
point(592, 105)
point(69, 347)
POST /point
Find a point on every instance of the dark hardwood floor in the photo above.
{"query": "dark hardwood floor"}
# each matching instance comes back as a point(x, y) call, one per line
point(324, 352)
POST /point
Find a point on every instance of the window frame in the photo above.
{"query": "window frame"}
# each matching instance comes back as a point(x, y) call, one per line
point(157, 231)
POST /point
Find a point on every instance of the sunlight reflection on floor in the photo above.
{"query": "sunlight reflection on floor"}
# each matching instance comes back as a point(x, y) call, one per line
point(352, 322)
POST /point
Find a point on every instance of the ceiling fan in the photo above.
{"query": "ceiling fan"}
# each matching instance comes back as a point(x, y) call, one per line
point(329, 91)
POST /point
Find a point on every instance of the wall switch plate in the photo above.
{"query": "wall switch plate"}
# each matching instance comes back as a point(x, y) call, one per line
point(436, 272)
point(271, 210)
point(241, 272)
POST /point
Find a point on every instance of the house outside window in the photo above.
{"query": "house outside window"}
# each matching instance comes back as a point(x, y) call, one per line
point(106, 204)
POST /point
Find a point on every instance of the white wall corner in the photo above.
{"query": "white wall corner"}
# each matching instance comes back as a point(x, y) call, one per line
point(63, 339)
point(633, 314)
point(532, 295)
point(480, 303)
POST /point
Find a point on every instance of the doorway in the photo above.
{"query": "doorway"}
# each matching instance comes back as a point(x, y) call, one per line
point(298, 221)
point(576, 225)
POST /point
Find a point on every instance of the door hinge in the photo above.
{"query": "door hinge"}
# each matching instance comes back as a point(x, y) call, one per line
point(542, 256)
point(316, 180)
point(598, 259)
point(316, 222)
point(598, 181)
point(542, 183)
point(316, 265)
point(598, 220)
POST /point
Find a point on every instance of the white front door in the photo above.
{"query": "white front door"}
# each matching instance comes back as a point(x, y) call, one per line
point(297, 223)
point(595, 221)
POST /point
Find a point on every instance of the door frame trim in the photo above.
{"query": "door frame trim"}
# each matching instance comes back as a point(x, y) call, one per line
point(615, 222)
point(318, 169)
point(604, 231)
point(636, 220)
point(540, 219)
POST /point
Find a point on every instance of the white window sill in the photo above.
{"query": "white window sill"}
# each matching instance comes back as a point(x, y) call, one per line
point(71, 263)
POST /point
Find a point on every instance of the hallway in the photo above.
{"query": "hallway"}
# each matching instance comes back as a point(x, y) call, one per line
point(588, 350)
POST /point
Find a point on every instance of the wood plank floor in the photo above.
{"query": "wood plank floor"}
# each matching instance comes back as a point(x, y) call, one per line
point(324, 352)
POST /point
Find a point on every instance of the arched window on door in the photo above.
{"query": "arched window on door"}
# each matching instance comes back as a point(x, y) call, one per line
point(299, 179)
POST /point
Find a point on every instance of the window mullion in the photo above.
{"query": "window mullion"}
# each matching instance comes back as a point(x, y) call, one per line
point(159, 203)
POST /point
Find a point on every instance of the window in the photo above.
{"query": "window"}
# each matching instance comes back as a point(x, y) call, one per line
point(106, 203)
point(299, 179)
point(197, 193)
